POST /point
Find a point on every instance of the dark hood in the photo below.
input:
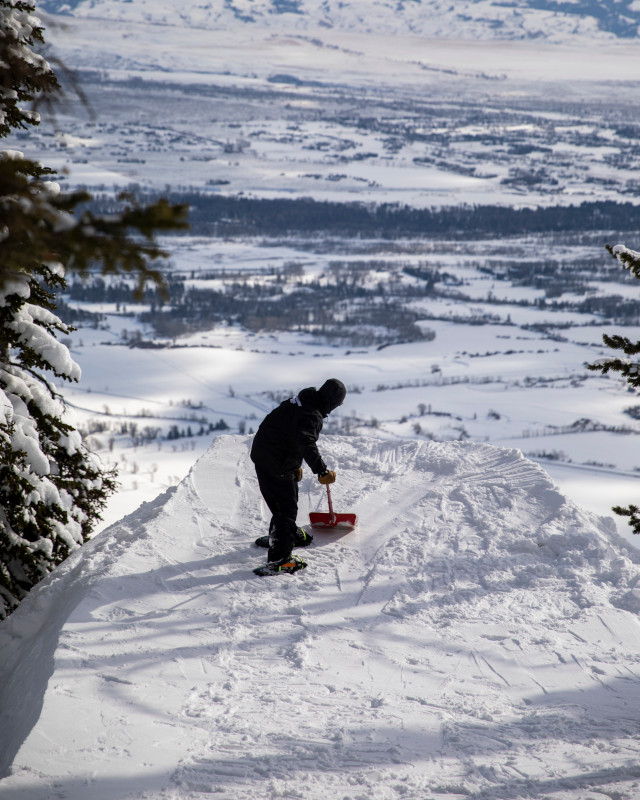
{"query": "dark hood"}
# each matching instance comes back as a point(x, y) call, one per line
point(332, 394)
point(329, 396)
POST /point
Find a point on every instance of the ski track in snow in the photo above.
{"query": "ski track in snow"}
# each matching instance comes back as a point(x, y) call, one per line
point(476, 637)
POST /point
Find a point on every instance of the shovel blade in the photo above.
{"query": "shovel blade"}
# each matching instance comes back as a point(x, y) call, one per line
point(320, 519)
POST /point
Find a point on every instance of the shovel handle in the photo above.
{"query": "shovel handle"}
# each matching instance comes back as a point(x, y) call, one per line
point(332, 515)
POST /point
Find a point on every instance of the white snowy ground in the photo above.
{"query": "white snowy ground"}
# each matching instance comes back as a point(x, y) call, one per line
point(475, 637)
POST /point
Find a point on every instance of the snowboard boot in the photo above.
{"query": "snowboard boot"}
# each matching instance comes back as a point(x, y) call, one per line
point(290, 564)
point(302, 539)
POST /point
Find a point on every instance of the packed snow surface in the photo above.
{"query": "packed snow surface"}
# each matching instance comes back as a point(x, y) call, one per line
point(476, 636)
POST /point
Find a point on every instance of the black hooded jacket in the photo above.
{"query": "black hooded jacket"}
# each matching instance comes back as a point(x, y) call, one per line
point(289, 433)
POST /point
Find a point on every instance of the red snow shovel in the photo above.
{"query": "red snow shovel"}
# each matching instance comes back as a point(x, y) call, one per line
point(320, 519)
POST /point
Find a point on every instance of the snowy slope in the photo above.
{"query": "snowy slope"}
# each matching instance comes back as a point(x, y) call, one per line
point(477, 636)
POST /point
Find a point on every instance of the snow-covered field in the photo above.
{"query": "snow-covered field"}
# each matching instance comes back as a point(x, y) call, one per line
point(600, 22)
point(513, 385)
point(475, 637)
point(345, 116)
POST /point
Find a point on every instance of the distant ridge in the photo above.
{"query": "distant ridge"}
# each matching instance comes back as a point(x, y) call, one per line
point(552, 20)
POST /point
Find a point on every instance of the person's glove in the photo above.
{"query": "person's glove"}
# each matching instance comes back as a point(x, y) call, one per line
point(299, 474)
point(327, 477)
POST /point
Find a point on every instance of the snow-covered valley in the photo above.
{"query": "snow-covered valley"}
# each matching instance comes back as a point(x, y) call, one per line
point(476, 636)
point(343, 117)
point(498, 361)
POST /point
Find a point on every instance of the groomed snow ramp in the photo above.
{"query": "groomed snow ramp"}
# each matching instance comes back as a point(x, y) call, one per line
point(476, 637)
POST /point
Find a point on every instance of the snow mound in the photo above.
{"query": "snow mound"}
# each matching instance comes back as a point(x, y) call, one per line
point(476, 636)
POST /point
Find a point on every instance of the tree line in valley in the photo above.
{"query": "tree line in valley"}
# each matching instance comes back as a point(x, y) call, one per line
point(217, 214)
point(346, 307)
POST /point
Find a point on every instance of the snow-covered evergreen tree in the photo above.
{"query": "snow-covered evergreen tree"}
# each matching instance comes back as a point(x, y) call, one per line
point(628, 367)
point(51, 488)
point(24, 74)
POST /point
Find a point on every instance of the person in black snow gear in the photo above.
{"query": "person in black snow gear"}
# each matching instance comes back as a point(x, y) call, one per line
point(285, 438)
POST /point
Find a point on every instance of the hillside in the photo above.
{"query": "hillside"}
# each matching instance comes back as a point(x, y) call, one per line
point(476, 637)
point(472, 19)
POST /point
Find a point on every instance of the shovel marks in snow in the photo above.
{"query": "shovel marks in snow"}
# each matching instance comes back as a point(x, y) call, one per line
point(428, 652)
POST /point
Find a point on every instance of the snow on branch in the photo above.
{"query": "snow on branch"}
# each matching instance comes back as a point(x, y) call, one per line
point(629, 259)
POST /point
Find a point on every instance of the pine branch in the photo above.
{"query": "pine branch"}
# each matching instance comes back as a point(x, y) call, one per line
point(629, 259)
point(621, 343)
point(24, 74)
point(40, 226)
point(631, 511)
point(630, 372)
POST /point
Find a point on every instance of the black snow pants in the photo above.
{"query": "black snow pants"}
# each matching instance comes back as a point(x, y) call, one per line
point(280, 493)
